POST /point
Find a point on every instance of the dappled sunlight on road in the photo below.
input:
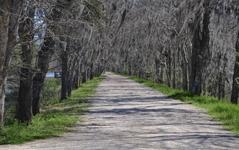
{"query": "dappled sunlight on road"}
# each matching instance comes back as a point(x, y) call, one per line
point(128, 116)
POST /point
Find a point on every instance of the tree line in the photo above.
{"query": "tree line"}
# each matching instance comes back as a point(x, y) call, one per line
point(69, 31)
point(188, 44)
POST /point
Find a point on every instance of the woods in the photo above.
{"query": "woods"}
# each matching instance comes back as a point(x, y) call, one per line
point(37, 33)
point(8, 27)
point(187, 44)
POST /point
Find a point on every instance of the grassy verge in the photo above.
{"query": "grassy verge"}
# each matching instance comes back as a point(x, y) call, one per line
point(220, 110)
point(55, 119)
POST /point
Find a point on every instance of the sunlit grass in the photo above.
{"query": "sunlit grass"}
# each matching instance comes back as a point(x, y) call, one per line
point(55, 119)
point(222, 111)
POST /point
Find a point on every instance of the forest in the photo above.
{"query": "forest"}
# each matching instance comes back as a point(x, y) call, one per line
point(185, 44)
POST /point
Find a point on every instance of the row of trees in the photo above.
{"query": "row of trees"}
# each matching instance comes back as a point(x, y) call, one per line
point(69, 31)
point(189, 44)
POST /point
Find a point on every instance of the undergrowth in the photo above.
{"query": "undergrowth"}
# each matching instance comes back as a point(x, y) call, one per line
point(55, 119)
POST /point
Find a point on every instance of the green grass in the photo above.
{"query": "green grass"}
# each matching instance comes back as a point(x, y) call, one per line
point(50, 91)
point(222, 111)
point(55, 119)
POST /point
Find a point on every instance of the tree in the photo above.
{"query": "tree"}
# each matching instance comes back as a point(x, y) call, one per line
point(4, 21)
point(200, 47)
point(65, 72)
point(66, 14)
point(26, 34)
point(235, 87)
point(182, 43)
point(9, 16)
point(47, 50)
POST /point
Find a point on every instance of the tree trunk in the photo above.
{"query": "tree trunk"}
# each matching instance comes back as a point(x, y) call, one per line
point(162, 73)
point(16, 8)
point(157, 71)
point(200, 50)
point(69, 88)
point(235, 88)
point(24, 106)
point(174, 70)
point(26, 34)
point(92, 74)
point(185, 68)
point(77, 78)
point(129, 69)
point(4, 21)
point(83, 75)
point(64, 78)
point(44, 57)
point(169, 67)
point(2, 96)
point(8, 26)
point(46, 52)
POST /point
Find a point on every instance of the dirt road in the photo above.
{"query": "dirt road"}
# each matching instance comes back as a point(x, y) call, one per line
point(128, 116)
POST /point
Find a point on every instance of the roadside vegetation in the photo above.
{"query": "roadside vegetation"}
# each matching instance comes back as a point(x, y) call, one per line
point(221, 110)
point(55, 118)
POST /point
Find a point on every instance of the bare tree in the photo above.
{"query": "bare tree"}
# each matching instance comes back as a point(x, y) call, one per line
point(9, 16)
point(185, 44)
point(26, 34)
point(47, 50)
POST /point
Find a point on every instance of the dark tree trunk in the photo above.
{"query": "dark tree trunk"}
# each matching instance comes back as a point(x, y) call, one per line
point(91, 71)
point(83, 76)
point(70, 86)
point(174, 70)
point(24, 105)
point(129, 69)
point(36, 92)
point(221, 79)
point(77, 79)
point(185, 77)
point(200, 50)
point(64, 78)
point(169, 67)
point(235, 88)
point(70, 83)
point(157, 71)
point(4, 21)
point(24, 102)
point(184, 69)
point(44, 57)
point(162, 73)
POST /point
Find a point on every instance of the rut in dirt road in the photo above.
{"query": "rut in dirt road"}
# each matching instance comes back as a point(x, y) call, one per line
point(128, 116)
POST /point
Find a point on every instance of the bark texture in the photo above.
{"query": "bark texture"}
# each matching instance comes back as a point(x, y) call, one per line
point(24, 105)
point(235, 87)
point(4, 21)
point(200, 47)
point(65, 73)
point(9, 16)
